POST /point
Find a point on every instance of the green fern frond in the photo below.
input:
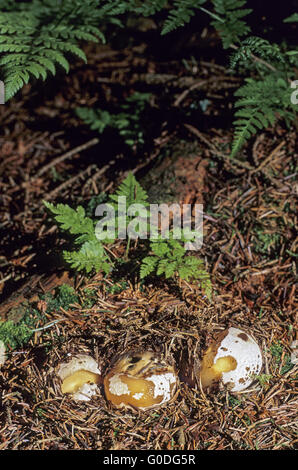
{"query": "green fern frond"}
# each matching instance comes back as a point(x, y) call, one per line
point(96, 119)
point(260, 104)
point(128, 121)
point(292, 19)
point(148, 266)
point(134, 195)
point(229, 22)
point(180, 14)
point(169, 269)
point(132, 190)
point(8, 5)
point(255, 45)
point(35, 37)
point(144, 8)
point(170, 259)
point(73, 221)
point(91, 256)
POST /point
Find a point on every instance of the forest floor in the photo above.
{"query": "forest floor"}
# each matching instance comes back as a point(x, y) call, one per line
point(47, 153)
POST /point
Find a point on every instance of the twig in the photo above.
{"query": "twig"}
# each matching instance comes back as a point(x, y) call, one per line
point(267, 160)
point(64, 157)
point(48, 325)
point(99, 173)
point(196, 85)
point(67, 183)
point(215, 150)
point(268, 270)
point(5, 278)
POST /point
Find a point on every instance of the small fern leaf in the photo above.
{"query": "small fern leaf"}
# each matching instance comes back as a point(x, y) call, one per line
point(68, 47)
point(259, 105)
point(132, 190)
point(57, 57)
point(71, 220)
point(148, 266)
point(259, 46)
point(90, 257)
point(37, 70)
point(230, 23)
point(180, 14)
point(13, 85)
point(291, 19)
point(47, 63)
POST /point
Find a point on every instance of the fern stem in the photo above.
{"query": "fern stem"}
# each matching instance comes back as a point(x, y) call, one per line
point(213, 15)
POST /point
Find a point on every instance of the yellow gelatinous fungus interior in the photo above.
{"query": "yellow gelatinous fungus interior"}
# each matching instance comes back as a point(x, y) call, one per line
point(210, 372)
point(140, 380)
point(75, 381)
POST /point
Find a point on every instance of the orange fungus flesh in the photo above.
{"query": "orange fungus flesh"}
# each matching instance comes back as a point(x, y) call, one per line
point(211, 372)
point(136, 391)
point(141, 380)
point(74, 382)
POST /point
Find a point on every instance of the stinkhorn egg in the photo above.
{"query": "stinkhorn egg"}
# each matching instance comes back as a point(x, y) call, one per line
point(141, 380)
point(80, 377)
point(234, 359)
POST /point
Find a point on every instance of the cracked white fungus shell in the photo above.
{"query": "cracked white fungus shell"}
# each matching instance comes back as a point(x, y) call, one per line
point(80, 377)
point(234, 359)
point(142, 380)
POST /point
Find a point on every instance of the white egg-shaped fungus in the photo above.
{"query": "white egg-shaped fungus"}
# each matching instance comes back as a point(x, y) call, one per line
point(80, 377)
point(233, 360)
